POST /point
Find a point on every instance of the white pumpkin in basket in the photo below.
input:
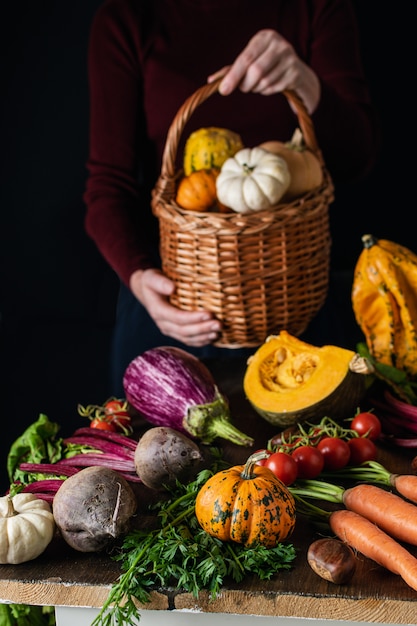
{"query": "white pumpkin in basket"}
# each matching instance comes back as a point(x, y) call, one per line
point(252, 180)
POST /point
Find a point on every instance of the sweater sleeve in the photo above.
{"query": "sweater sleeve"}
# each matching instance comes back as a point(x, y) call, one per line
point(118, 217)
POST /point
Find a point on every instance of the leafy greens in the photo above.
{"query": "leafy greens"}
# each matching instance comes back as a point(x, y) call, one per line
point(179, 554)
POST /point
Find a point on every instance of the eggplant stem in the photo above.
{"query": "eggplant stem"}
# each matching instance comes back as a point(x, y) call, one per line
point(211, 420)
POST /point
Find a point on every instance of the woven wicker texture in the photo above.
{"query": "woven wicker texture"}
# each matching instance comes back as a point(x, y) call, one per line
point(260, 272)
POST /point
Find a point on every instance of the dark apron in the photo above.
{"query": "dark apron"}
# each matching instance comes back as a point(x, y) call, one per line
point(136, 332)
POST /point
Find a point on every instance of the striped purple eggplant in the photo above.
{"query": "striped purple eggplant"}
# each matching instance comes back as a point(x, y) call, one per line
point(171, 387)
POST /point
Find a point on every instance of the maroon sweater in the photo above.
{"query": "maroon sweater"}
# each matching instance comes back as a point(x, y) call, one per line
point(146, 57)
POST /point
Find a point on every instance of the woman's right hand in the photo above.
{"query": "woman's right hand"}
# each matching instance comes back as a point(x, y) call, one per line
point(269, 64)
point(193, 328)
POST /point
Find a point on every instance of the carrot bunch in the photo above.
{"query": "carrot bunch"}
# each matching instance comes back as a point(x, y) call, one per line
point(366, 537)
point(374, 472)
point(373, 522)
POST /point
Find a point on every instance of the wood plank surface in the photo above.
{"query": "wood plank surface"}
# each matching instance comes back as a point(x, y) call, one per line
point(63, 576)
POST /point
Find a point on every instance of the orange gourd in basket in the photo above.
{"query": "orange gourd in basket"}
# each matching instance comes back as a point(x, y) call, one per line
point(197, 191)
point(208, 148)
point(247, 504)
point(304, 166)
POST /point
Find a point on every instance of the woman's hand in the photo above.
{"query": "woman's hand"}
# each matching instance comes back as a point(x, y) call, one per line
point(270, 65)
point(193, 328)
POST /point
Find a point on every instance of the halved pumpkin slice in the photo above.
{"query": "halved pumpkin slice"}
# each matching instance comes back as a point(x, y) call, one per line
point(289, 381)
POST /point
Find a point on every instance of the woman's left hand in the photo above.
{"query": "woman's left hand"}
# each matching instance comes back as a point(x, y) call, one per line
point(268, 65)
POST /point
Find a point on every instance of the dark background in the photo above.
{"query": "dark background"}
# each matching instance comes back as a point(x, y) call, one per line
point(57, 296)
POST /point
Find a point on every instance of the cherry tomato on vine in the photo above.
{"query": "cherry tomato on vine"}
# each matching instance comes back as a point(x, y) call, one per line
point(103, 424)
point(310, 461)
point(116, 407)
point(116, 411)
point(336, 452)
point(283, 465)
point(362, 449)
point(367, 425)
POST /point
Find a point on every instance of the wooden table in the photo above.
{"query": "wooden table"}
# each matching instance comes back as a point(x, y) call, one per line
point(66, 578)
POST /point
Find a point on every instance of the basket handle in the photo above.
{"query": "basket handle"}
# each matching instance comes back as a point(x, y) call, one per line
point(202, 94)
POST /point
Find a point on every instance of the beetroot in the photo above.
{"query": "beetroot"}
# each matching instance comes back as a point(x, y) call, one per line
point(164, 455)
point(93, 508)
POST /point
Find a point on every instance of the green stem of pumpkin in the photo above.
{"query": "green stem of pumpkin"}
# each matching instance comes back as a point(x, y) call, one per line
point(247, 472)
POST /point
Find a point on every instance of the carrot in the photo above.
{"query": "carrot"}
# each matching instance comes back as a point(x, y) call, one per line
point(385, 509)
point(374, 472)
point(364, 536)
point(389, 511)
point(406, 485)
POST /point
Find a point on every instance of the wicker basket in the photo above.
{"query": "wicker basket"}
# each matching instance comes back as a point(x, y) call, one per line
point(259, 272)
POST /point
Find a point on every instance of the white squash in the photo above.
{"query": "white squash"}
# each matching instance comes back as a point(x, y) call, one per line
point(252, 180)
point(27, 527)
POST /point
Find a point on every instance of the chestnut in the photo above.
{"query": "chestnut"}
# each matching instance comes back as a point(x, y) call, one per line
point(332, 560)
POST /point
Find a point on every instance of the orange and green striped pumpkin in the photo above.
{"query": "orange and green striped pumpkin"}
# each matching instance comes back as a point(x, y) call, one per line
point(247, 504)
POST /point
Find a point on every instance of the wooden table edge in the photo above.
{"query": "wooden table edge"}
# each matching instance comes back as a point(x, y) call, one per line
point(371, 610)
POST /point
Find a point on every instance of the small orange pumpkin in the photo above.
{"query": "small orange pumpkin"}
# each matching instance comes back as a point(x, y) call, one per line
point(247, 504)
point(197, 191)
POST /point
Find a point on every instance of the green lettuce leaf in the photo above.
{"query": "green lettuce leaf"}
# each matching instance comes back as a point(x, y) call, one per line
point(38, 444)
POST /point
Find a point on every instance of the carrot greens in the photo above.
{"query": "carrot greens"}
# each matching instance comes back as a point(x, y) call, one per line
point(178, 553)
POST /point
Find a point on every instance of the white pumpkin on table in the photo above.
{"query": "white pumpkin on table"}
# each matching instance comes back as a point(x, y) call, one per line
point(27, 527)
